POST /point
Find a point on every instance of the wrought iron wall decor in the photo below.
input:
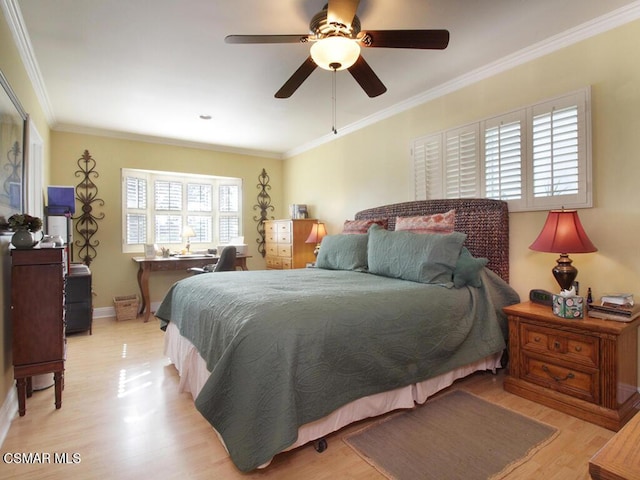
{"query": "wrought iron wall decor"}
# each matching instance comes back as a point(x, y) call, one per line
point(87, 222)
point(264, 205)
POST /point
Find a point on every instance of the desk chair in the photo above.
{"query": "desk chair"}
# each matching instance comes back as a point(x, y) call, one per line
point(226, 262)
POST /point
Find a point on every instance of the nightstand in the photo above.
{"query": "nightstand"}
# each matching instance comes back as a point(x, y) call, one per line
point(587, 368)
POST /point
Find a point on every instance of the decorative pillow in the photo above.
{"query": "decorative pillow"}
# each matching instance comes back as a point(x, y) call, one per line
point(436, 223)
point(343, 252)
point(468, 268)
point(362, 226)
point(414, 257)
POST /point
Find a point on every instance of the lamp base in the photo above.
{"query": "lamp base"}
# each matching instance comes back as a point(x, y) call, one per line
point(564, 272)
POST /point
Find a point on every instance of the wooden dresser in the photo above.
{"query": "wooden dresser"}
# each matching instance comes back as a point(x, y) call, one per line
point(586, 367)
point(37, 318)
point(285, 243)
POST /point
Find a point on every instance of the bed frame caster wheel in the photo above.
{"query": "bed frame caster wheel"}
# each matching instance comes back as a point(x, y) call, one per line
point(320, 445)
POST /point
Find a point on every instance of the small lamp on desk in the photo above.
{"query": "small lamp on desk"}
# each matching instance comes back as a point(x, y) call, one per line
point(188, 233)
point(318, 232)
point(563, 233)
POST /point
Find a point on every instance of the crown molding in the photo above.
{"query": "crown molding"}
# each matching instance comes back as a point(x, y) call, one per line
point(21, 39)
point(99, 132)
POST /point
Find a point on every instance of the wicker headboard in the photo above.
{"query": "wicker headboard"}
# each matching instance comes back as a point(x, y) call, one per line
point(486, 223)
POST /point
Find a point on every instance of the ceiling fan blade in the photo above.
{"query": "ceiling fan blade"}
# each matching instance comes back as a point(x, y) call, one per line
point(427, 39)
point(342, 11)
point(298, 77)
point(245, 39)
point(367, 78)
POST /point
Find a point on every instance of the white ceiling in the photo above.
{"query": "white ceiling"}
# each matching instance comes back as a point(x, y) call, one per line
point(150, 68)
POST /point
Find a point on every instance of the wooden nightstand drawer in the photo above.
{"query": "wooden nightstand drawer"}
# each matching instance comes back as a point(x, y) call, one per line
point(287, 264)
point(572, 381)
point(284, 250)
point(271, 236)
point(572, 347)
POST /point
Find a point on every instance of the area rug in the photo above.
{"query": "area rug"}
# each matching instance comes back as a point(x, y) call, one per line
point(454, 436)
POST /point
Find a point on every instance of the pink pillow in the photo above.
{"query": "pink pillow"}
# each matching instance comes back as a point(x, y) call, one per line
point(362, 226)
point(436, 223)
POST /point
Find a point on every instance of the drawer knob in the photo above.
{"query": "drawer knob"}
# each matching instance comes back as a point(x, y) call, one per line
point(546, 370)
point(536, 339)
point(556, 345)
point(578, 348)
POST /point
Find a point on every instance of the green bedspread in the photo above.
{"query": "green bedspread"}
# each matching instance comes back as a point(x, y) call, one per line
point(288, 347)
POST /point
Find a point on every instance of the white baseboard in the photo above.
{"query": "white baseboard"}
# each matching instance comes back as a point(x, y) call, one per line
point(8, 412)
point(104, 312)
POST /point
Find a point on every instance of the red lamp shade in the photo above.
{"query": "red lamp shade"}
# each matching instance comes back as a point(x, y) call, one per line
point(318, 232)
point(563, 233)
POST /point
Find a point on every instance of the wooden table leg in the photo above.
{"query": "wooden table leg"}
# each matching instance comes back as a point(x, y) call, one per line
point(143, 283)
point(242, 263)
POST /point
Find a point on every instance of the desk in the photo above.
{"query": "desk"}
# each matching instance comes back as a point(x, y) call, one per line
point(172, 264)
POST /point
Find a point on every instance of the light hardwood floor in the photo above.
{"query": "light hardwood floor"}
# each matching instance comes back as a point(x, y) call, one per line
point(124, 418)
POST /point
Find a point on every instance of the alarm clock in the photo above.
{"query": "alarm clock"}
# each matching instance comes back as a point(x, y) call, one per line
point(541, 296)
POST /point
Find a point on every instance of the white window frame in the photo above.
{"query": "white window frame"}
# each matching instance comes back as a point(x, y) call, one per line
point(150, 177)
point(431, 159)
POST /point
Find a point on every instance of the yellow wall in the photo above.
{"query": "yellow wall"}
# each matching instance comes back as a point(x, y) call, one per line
point(372, 167)
point(113, 272)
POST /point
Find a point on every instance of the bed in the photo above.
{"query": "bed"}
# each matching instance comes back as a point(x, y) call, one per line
point(276, 359)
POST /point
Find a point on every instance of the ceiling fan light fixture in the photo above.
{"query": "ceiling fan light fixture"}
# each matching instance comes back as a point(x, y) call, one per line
point(335, 53)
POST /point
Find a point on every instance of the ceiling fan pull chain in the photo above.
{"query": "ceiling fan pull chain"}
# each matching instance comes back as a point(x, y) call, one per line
point(333, 102)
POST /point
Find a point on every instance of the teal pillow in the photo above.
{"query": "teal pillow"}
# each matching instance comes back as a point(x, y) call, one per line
point(468, 268)
point(424, 258)
point(343, 252)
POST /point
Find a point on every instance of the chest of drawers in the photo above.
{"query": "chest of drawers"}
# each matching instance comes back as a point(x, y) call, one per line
point(587, 367)
point(37, 318)
point(285, 243)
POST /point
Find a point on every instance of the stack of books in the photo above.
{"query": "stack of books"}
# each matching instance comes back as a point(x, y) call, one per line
point(619, 307)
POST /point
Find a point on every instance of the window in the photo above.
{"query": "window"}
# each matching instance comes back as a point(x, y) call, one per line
point(535, 158)
point(158, 205)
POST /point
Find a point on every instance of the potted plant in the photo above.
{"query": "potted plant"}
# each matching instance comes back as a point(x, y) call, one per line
point(24, 225)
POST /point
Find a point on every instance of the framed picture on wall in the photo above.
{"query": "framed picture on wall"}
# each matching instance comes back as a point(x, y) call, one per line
point(13, 120)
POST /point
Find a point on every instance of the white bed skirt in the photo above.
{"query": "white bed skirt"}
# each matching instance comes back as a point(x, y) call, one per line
point(193, 375)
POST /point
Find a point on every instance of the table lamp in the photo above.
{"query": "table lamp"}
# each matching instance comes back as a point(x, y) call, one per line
point(318, 232)
point(563, 233)
point(188, 233)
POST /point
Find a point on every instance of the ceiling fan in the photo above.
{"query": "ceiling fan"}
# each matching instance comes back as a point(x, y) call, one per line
point(336, 39)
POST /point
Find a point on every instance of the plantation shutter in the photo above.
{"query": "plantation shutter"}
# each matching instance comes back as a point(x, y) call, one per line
point(427, 167)
point(461, 179)
point(559, 141)
point(229, 214)
point(136, 218)
point(199, 208)
point(503, 143)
